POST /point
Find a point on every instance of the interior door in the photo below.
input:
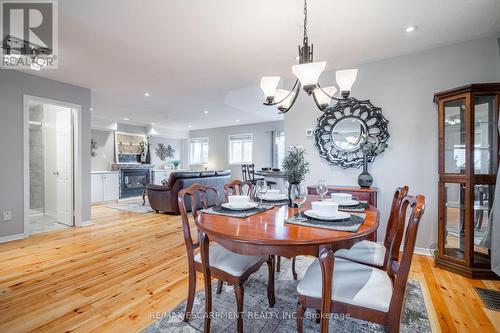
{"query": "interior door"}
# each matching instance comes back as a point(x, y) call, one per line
point(64, 164)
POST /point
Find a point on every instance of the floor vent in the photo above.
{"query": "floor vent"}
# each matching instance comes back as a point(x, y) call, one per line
point(490, 298)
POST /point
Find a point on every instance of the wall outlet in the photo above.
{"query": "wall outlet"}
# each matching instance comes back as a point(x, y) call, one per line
point(7, 216)
point(309, 132)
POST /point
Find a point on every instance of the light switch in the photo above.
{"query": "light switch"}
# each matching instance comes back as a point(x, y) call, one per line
point(7, 216)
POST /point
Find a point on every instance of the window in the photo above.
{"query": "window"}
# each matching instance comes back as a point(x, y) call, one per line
point(240, 148)
point(198, 151)
point(279, 148)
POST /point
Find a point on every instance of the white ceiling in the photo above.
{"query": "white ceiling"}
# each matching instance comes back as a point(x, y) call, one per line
point(193, 55)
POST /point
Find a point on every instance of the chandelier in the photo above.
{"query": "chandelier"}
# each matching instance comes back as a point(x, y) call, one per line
point(307, 73)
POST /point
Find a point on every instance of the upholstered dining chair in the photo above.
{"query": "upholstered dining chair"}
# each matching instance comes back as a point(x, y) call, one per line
point(237, 187)
point(363, 291)
point(224, 264)
point(373, 253)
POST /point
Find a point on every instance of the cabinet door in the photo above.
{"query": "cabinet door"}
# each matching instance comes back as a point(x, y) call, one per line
point(96, 188)
point(111, 187)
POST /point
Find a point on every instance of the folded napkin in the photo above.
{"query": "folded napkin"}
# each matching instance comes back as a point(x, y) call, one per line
point(350, 224)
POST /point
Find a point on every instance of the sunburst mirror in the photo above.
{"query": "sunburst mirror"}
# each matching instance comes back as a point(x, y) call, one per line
point(345, 126)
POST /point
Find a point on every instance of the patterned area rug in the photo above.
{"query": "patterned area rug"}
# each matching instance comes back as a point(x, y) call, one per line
point(134, 206)
point(258, 317)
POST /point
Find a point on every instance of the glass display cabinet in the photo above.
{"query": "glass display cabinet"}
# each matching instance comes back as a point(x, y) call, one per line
point(468, 164)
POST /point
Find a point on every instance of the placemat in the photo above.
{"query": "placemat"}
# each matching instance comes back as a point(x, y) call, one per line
point(360, 207)
point(351, 224)
point(218, 210)
point(276, 202)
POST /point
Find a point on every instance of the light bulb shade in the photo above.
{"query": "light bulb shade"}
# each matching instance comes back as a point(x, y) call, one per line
point(322, 98)
point(308, 74)
point(281, 94)
point(346, 78)
point(268, 84)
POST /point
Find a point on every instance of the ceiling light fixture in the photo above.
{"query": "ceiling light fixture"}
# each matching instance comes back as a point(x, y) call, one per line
point(411, 28)
point(147, 94)
point(189, 126)
point(91, 109)
point(205, 112)
point(126, 119)
point(237, 120)
point(307, 73)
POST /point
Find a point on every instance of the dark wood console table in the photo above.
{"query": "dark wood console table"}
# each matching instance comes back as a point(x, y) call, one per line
point(364, 194)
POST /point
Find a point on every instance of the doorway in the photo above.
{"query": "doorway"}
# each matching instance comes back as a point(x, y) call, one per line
point(51, 172)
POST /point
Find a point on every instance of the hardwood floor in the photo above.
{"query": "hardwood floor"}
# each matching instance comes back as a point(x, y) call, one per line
point(112, 276)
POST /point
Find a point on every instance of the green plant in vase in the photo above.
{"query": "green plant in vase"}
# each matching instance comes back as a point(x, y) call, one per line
point(294, 168)
point(176, 164)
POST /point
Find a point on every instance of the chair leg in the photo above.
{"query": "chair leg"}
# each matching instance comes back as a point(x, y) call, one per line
point(278, 264)
point(239, 291)
point(394, 324)
point(219, 286)
point(294, 273)
point(191, 292)
point(300, 317)
point(270, 282)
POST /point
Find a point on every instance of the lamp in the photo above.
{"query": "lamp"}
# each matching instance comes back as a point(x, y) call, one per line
point(268, 84)
point(308, 74)
point(345, 80)
point(323, 96)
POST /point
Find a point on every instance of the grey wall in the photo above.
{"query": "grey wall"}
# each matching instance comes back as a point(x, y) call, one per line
point(175, 143)
point(403, 87)
point(105, 152)
point(218, 151)
point(13, 84)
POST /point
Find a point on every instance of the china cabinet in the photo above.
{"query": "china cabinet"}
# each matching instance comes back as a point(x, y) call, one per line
point(468, 164)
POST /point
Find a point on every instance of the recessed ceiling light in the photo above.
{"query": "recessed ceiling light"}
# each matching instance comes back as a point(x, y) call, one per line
point(237, 120)
point(205, 112)
point(411, 28)
point(147, 94)
point(189, 126)
point(126, 119)
point(91, 109)
point(153, 123)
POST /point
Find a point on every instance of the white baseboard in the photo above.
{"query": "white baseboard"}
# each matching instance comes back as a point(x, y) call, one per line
point(86, 223)
point(12, 238)
point(422, 251)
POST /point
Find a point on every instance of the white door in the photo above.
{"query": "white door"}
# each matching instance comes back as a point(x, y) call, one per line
point(64, 166)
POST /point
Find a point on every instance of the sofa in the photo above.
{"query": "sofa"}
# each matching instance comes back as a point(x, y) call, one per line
point(164, 198)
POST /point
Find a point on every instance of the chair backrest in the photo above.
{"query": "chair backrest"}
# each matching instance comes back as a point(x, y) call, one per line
point(236, 187)
point(194, 196)
point(251, 172)
point(390, 232)
point(244, 172)
point(400, 270)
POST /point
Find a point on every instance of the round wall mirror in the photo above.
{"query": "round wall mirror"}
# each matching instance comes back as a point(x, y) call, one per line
point(347, 134)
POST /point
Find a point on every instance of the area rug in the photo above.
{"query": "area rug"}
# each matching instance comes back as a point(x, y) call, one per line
point(258, 317)
point(134, 206)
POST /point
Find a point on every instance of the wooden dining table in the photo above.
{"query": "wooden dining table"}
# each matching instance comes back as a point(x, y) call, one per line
point(266, 233)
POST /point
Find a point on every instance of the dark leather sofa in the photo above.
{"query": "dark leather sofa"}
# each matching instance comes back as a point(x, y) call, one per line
point(164, 198)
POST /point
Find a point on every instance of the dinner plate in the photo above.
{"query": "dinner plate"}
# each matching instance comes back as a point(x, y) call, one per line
point(279, 197)
point(250, 205)
point(339, 216)
point(347, 203)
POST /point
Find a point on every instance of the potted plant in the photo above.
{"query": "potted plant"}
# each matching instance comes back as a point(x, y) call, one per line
point(369, 149)
point(176, 164)
point(294, 168)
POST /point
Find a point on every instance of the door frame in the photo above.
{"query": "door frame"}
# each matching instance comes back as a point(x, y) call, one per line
point(77, 157)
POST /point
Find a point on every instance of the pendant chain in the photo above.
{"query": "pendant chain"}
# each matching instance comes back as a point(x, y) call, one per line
point(305, 21)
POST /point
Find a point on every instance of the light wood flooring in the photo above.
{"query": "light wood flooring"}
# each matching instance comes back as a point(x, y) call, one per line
point(112, 276)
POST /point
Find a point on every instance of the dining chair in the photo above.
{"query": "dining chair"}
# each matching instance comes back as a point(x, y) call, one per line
point(253, 180)
point(224, 265)
point(237, 187)
point(373, 253)
point(365, 292)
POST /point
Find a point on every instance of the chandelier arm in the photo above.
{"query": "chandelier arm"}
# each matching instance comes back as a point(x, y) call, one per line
point(297, 90)
point(288, 95)
point(331, 97)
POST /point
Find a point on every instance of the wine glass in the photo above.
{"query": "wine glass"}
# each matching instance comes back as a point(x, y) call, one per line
point(322, 188)
point(261, 190)
point(298, 195)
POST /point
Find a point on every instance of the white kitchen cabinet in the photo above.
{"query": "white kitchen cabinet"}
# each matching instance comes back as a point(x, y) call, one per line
point(105, 186)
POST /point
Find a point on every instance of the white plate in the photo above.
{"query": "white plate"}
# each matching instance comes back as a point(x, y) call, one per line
point(278, 197)
point(339, 216)
point(347, 203)
point(250, 205)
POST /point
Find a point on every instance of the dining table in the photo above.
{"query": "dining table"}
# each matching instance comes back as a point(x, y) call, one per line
point(267, 233)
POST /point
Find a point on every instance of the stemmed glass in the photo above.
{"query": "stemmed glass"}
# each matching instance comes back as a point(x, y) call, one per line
point(261, 190)
point(298, 195)
point(322, 188)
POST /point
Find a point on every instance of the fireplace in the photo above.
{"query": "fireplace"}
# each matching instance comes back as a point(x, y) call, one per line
point(133, 182)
